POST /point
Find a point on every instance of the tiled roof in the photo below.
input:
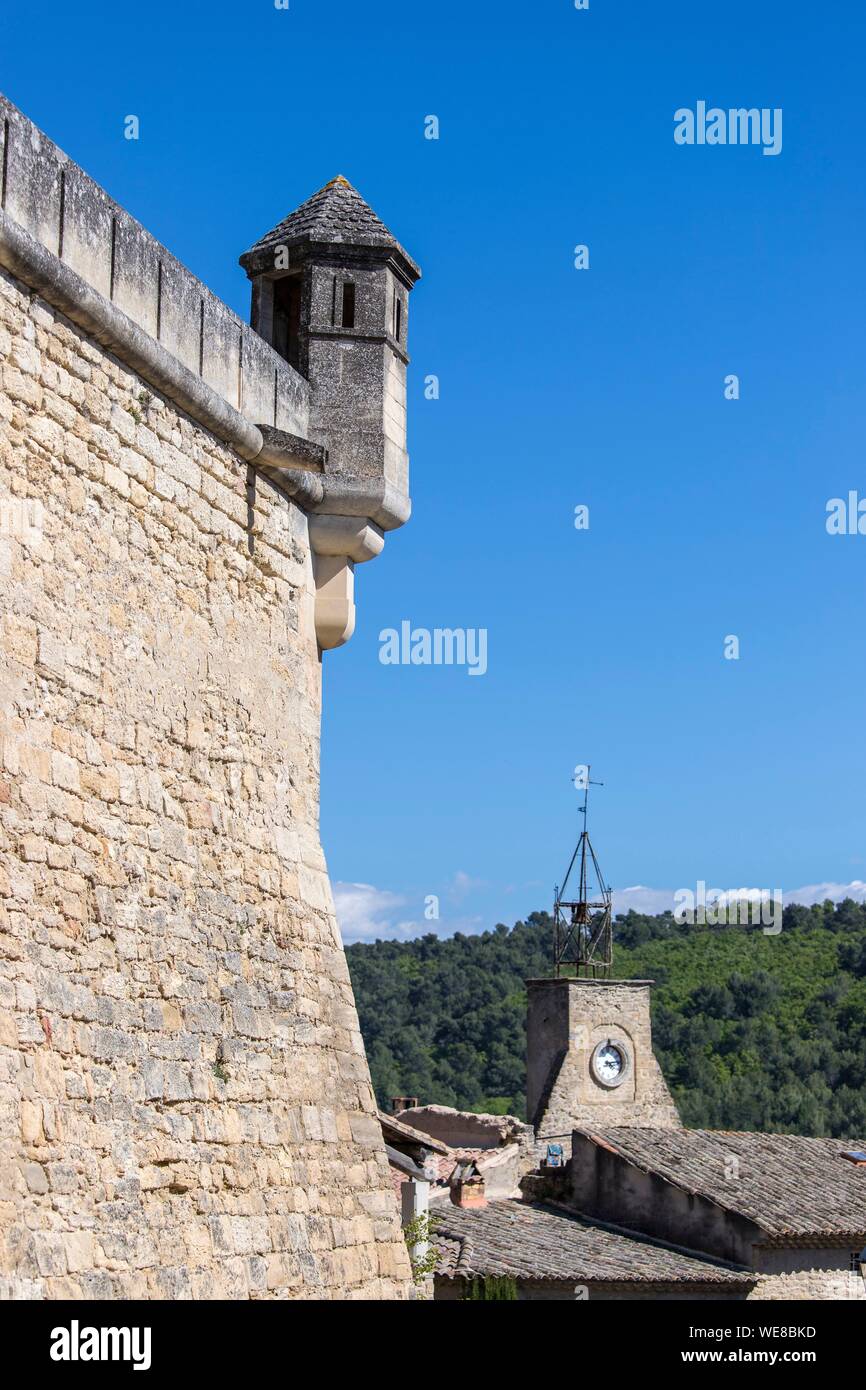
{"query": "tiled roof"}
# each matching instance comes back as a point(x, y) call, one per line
point(787, 1184)
point(335, 214)
point(534, 1241)
point(448, 1250)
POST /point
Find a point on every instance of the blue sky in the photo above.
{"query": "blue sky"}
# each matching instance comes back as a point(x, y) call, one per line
point(559, 387)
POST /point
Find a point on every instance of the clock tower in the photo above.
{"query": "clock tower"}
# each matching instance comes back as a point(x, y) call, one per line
point(589, 1058)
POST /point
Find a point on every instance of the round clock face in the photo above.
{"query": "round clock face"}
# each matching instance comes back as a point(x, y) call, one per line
point(610, 1063)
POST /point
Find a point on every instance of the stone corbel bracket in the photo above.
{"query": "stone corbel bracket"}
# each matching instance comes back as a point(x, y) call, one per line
point(339, 543)
point(348, 518)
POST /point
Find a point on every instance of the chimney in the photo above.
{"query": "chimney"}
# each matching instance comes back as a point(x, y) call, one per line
point(399, 1103)
point(467, 1186)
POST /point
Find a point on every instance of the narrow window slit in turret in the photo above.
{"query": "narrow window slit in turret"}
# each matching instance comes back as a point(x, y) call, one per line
point(348, 304)
point(287, 318)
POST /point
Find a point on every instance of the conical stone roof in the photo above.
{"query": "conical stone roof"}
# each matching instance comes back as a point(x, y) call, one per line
point(335, 215)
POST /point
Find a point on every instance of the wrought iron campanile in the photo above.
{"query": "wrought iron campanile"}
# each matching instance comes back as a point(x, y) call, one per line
point(582, 935)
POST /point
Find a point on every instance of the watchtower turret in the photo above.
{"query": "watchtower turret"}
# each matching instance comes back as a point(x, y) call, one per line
point(330, 293)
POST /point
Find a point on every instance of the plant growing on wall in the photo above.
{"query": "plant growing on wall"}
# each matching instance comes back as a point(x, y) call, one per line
point(422, 1253)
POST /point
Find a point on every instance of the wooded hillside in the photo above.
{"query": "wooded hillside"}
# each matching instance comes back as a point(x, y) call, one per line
point(752, 1031)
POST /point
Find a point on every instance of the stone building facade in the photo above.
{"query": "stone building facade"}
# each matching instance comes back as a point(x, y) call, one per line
point(185, 1103)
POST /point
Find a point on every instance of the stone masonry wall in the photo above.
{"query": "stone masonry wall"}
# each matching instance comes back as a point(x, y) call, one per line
point(817, 1274)
point(185, 1105)
point(566, 1020)
point(813, 1285)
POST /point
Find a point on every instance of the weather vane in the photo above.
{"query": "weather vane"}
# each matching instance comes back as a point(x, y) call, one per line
point(582, 935)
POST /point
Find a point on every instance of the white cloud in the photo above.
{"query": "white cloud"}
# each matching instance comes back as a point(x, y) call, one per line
point(463, 883)
point(818, 892)
point(642, 899)
point(365, 913)
point(652, 900)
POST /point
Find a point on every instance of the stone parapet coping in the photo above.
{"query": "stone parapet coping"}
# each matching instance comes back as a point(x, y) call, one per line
point(290, 461)
point(29, 261)
point(46, 194)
